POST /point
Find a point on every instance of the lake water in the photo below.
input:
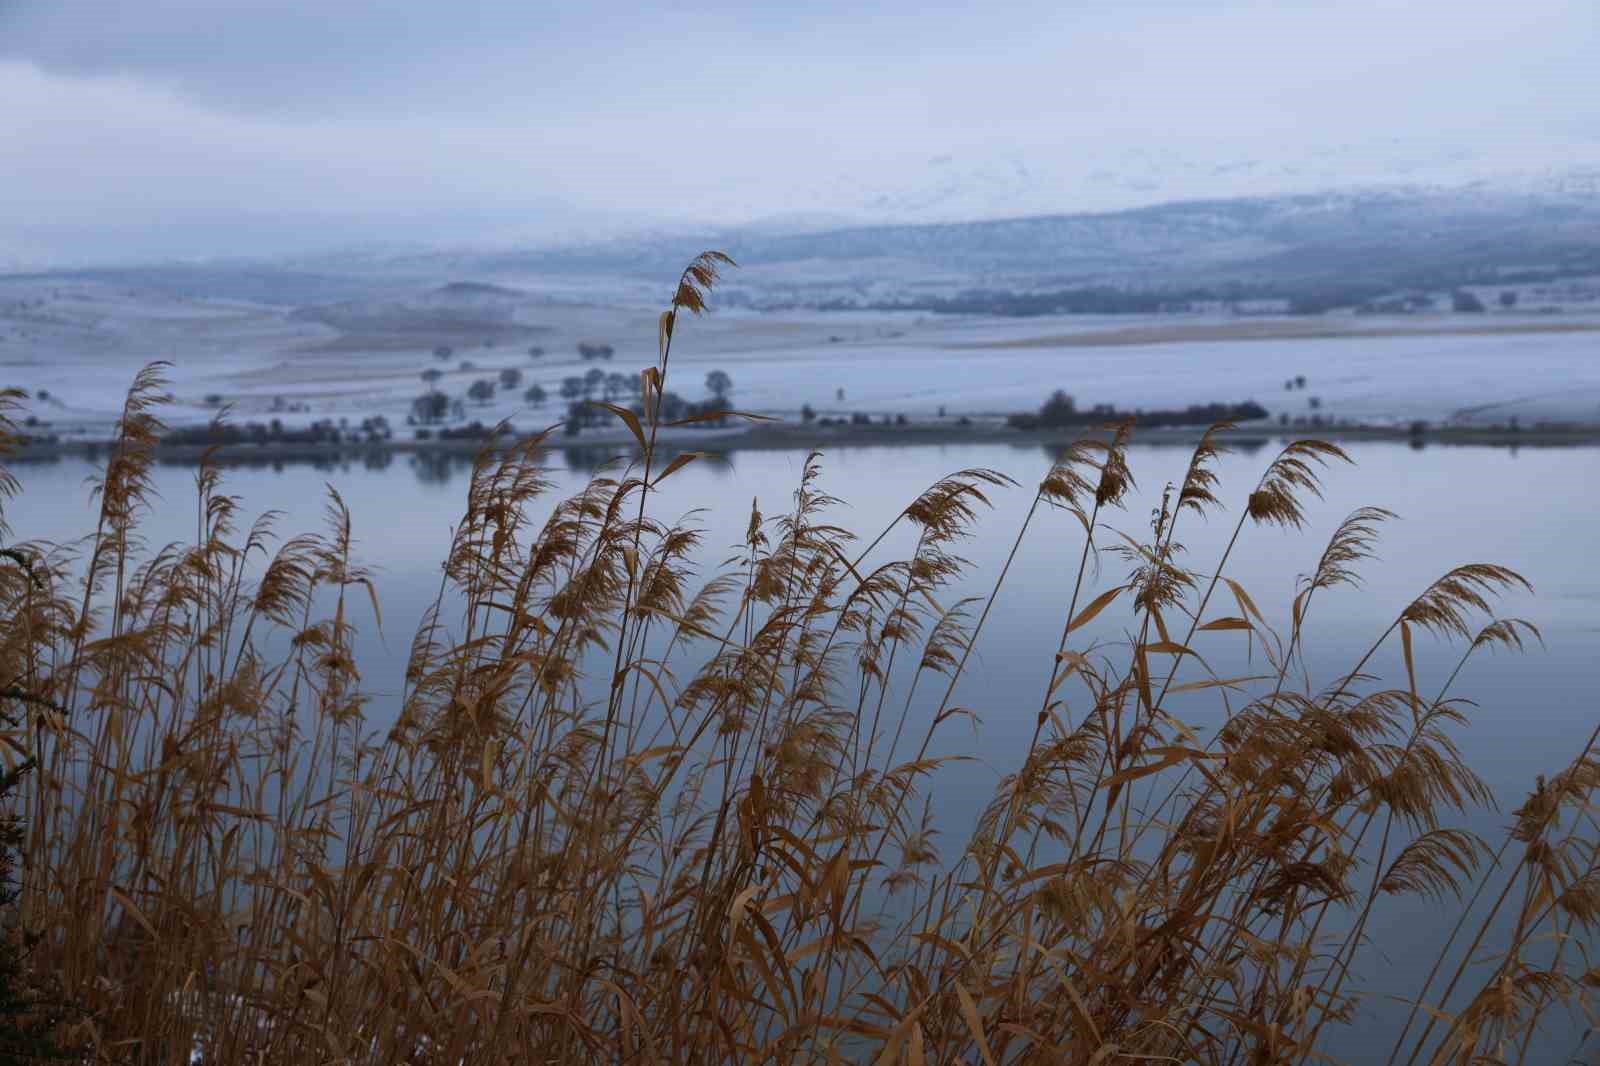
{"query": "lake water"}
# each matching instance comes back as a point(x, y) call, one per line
point(1532, 509)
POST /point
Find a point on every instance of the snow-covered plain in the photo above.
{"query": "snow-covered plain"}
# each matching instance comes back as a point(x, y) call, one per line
point(81, 342)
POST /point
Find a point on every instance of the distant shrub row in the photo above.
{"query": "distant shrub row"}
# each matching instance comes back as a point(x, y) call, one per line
point(1060, 411)
point(323, 431)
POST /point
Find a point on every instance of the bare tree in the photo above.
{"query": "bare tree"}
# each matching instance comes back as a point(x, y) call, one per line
point(430, 407)
point(617, 386)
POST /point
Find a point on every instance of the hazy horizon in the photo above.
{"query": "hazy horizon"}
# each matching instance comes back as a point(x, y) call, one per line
point(245, 128)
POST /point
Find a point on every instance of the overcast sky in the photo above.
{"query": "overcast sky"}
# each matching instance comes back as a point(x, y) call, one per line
point(207, 127)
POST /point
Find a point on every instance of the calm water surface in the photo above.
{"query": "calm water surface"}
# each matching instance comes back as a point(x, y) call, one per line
point(1531, 509)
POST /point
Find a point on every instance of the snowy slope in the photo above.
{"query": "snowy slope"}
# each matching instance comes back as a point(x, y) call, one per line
point(76, 346)
point(950, 187)
point(1405, 236)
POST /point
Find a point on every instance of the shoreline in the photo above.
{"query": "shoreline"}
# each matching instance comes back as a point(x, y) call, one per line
point(798, 437)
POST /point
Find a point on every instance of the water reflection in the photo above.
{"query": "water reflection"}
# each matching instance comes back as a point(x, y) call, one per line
point(589, 459)
point(592, 459)
point(440, 466)
point(1054, 451)
point(436, 468)
point(372, 459)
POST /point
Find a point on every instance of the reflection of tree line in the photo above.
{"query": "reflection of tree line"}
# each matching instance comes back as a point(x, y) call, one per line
point(434, 467)
point(1054, 451)
point(374, 459)
point(441, 467)
point(438, 468)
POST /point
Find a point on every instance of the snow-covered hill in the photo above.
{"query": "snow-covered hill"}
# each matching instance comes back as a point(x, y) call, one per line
point(1403, 236)
point(953, 187)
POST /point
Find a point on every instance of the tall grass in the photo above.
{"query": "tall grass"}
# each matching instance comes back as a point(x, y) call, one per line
point(620, 817)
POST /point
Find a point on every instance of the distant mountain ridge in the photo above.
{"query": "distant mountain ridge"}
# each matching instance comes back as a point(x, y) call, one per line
point(1398, 236)
point(1019, 182)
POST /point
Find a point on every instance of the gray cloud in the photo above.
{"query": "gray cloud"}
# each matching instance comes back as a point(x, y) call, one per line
point(367, 119)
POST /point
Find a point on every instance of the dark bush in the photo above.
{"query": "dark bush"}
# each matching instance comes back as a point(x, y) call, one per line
point(430, 407)
point(471, 431)
point(1059, 412)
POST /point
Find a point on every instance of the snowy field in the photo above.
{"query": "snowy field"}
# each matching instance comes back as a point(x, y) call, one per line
point(79, 343)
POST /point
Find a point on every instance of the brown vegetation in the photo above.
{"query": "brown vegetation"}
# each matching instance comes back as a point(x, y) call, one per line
point(619, 819)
